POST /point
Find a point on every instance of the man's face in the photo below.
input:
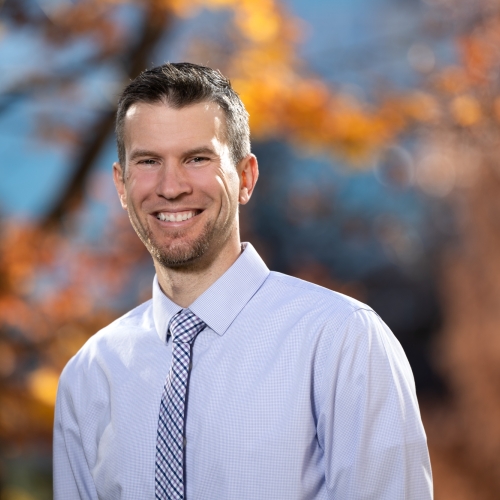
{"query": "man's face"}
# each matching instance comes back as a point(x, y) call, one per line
point(180, 187)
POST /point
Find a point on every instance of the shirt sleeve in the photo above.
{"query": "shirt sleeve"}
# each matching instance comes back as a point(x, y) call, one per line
point(369, 424)
point(72, 478)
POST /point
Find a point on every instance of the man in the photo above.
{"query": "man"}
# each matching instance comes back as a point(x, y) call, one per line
point(233, 382)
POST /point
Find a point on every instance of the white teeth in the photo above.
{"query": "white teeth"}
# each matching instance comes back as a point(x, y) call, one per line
point(175, 217)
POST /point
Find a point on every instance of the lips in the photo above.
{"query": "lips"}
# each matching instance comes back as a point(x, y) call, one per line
point(177, 216)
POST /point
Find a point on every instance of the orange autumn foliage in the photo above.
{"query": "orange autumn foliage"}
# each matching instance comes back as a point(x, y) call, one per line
point(42, 325)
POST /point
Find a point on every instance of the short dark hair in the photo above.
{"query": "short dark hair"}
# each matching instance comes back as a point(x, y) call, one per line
point(183, 84)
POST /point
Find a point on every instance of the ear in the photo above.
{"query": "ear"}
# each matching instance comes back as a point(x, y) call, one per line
point(248, 171)
point(118, 178)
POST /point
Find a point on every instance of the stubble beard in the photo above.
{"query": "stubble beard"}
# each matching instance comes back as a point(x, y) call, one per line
point(180, 255)
point(185, 254)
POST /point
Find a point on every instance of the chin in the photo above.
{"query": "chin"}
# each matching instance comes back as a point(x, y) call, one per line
point(196, 252)
point(181, 256)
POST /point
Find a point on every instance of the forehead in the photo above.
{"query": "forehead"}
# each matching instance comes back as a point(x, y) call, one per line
point(200, 121)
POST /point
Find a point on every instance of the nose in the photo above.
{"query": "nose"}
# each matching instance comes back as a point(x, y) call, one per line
point(173, 181)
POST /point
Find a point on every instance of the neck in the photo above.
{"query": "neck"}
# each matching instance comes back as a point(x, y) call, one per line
point(183, 285)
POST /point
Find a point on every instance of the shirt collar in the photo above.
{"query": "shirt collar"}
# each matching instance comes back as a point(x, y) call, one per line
point(219, 305)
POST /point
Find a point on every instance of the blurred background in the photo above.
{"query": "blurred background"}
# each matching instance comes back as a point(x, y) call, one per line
point(376, 123)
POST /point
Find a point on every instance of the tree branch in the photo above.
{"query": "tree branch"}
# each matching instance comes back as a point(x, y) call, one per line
point(155, 23)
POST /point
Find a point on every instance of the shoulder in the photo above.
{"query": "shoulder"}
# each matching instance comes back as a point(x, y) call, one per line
point(308, 312)
point(343, 322)
point(124, 330)
point(348, 339)
point(313, 297)
point(113, 340)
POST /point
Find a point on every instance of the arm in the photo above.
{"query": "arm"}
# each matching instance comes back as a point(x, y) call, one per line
point(369, 424)
point(72, 478)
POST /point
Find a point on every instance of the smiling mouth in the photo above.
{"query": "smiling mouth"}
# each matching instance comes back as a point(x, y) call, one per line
point(177, 216)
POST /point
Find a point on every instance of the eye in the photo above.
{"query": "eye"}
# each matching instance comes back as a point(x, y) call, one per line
point(198, 159)
point(148, 161)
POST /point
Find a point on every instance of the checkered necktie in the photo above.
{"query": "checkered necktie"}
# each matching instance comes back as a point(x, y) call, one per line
point(169, 475)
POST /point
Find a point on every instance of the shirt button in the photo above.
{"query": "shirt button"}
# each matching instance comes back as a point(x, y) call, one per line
point(184, 442)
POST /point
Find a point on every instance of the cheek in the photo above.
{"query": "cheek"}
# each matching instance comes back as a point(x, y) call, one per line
point(230, 183)
point(227, 191)
point(140, 187)
point(208, 183)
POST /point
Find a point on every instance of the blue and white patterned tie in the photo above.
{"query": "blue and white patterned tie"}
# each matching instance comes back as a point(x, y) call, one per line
point(169, 475)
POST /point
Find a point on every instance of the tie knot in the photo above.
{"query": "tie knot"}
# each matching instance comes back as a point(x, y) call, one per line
point(184, 326)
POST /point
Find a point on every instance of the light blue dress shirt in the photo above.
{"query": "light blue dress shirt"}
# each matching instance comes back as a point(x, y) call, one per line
point(295, 392)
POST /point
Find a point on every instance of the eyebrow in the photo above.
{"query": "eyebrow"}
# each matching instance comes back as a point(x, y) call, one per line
point(140, 153)
point(203, 150)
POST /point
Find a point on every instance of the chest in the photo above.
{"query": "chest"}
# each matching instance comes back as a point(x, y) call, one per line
point(250, 407)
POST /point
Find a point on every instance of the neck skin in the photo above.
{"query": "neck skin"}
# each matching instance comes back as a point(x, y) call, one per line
point(183, 285)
